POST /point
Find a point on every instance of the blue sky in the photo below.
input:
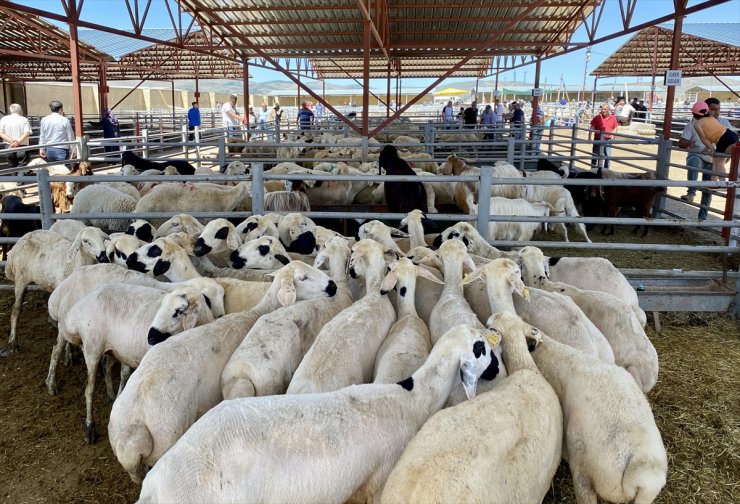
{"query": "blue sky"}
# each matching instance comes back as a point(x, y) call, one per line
point(570, 67)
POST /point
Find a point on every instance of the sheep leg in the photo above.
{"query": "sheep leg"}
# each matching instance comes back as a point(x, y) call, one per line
point(20, 293)
point(51, 378)
point(583, 487)
point(582, 229)
point(91, 360)
point(108, 371)
point(125, 373)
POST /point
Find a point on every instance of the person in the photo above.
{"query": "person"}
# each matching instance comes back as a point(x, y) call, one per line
point(15, 130)
point(460, 114)
point(698, 159)
point(488, 120)
point(517, 118)
point(604, 125)
point(718, 138)
point(319, 110)
point(276, 114)
point(470, 115)
point(230, 118)
point(55, 128)
point(641, 110)
point(624, 112)
point(193, 119)
point(536, 133)
point(305, 117)
point(447, 112)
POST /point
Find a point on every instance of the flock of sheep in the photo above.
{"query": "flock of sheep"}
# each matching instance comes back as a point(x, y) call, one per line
point(278, 361)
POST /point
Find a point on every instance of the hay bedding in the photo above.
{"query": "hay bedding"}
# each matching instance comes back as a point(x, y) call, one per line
point(43, 459)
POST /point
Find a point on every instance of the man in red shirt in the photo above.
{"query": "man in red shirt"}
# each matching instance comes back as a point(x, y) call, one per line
point(603, 126)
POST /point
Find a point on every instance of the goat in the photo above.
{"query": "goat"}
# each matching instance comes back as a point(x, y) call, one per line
point(141, 164)
point(402, 197)
point(63, 193)
point(617, 197)
point(16, 228)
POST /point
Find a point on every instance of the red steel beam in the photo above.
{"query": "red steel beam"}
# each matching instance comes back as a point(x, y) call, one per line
point(675, 53)
point(378, 39)
point(76, 85)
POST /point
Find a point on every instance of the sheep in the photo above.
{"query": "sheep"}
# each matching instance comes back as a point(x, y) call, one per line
point(118, 318)
point(218, 240)
point(402, 197)
point(164, 397)
point(516, 231)
point(455, 165)
point(560, 199)
point(97, 198)
point(180, 223)
point(610, 440)
point(414, 222)
point(408, 343)
point(336, 192)
point(193, 198)
point(475, 243)
point(345, 442)
point(292, 200)
point(266, 359)
point(12, 228)
point(550, 311)
point(141, 164)
point(142, 230)
point(67, 228)
point(123, 187)
point(263, 253)
point(146, 187)
point(256, 226)
point(62, 193)
point(588, 273)
point(345, 349)
point(420, 162)
point(120, 247)
point(379, 232)
point(615, 319)
point(296, 232)
point(46, 258)
point(510, 437)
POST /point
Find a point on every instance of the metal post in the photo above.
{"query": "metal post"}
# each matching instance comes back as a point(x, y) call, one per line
point(221, 150)
point(364, 149)
point(184, 139)
point(174, 118)
point(84, 149)
point(523, 147)
point(245, 82)
point(145, 141)
point(45, 202)
point(429, 136)
point(277, 131)
point(366, 82)
point(731, 193)
point(196, 131)
point(258, 190)
point(6, 105)
point(346, 131)
point(661, 172)
point(551, 145)
point(510, 147)
point(573, 138)
point(388, 91)
point(484, 200)
point(74, 59)
point(675, 50)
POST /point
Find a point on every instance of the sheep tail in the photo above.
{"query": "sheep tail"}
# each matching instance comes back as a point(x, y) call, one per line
point(134, 443)
point(9, 267)
point(642, 481)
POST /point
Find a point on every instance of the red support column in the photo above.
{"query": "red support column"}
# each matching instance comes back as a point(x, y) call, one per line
point(536, 99)
point(388, 91)
point(74, 57)
point(103, 86)
point(366, 81)
point(675, 50)
point(655, 65)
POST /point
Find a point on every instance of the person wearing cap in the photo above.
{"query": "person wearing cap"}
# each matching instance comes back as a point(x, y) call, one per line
point(602, 128)
point(305, 117)
point(717, 138)
point(275, 114)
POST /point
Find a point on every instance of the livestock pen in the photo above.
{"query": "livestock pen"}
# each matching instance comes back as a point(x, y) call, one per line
point(42, 453)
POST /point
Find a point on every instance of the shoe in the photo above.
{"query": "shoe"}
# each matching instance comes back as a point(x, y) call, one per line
point(688, 197)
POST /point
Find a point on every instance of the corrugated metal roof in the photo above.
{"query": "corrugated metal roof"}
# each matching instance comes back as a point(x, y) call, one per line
point(699, 55)
point(118, 45)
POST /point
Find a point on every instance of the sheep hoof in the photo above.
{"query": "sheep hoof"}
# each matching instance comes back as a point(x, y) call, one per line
point(91, 433)
point(51, 387)
point(8, 350)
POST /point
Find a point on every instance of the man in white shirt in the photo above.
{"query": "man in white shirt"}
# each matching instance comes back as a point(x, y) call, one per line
point(697, 157)
point(230, 117)
point(624, 112)
point(447, 112)
point(15, 131)
point(55, 129)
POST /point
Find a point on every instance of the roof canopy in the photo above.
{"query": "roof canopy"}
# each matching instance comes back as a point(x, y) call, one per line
point(706, 49)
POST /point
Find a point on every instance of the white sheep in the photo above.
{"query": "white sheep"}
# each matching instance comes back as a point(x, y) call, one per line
point(509, 437)
point(121, 246)
point(123, 187)
point(118, 318)
point(561, 201)
point(142, 230)
point(322, 447)
point(97, 198)
point(266, 359)
point(548, 311)
point(345, 349)
point(180, 223)
point(179, 380)
point(476, 244)
point(218, 240)
point(610, 440)
point(266, 253)
point(256, 226)
point(381, 233)
point(194, 198)
point(615, 319)
point(408, 343)
point(68, 228)
point(516, 231)
point(46, 258)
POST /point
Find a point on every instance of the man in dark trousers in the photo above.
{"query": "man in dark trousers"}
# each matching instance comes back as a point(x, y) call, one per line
point(193, 119)
point(470, 115)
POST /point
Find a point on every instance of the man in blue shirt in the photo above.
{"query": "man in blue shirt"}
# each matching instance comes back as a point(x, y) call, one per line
point(305, 117)
point(193, 120)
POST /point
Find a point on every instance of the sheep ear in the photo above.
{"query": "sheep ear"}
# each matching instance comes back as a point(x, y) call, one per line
point(477, 274)
point(390, 281)
point(232, 239)
point(398, 233)
point(518, 286)
point(468, 376)
point(286, 294)
point(190, 319)
point(469, 263)
point(428, 275)
point(320, 259)
point(283, 260)
point(75, 248)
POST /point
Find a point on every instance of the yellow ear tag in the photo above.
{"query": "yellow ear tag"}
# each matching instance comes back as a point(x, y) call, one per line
point(493, 339)
point(526, 293)
point(465, 277)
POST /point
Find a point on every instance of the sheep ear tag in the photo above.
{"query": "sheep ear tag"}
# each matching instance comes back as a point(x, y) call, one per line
point(493, 339)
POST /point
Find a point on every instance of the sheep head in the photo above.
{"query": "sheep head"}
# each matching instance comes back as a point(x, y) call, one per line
point(263, 253)
point(219, 235)
point(298, 281)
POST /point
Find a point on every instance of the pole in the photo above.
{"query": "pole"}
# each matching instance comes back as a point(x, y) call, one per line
point(593, 94)
point(245, 84)
point(74, 59)
point(298, 91)
point(366, 81)
point(103, 86)
point(5, 98)
point(536, 99)
point(174, 117)
point(675, 50)
point(388, 91)
point(655, 67)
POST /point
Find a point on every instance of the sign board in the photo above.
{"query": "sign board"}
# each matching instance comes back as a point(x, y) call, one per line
point(537, 92)
point(672, 78)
